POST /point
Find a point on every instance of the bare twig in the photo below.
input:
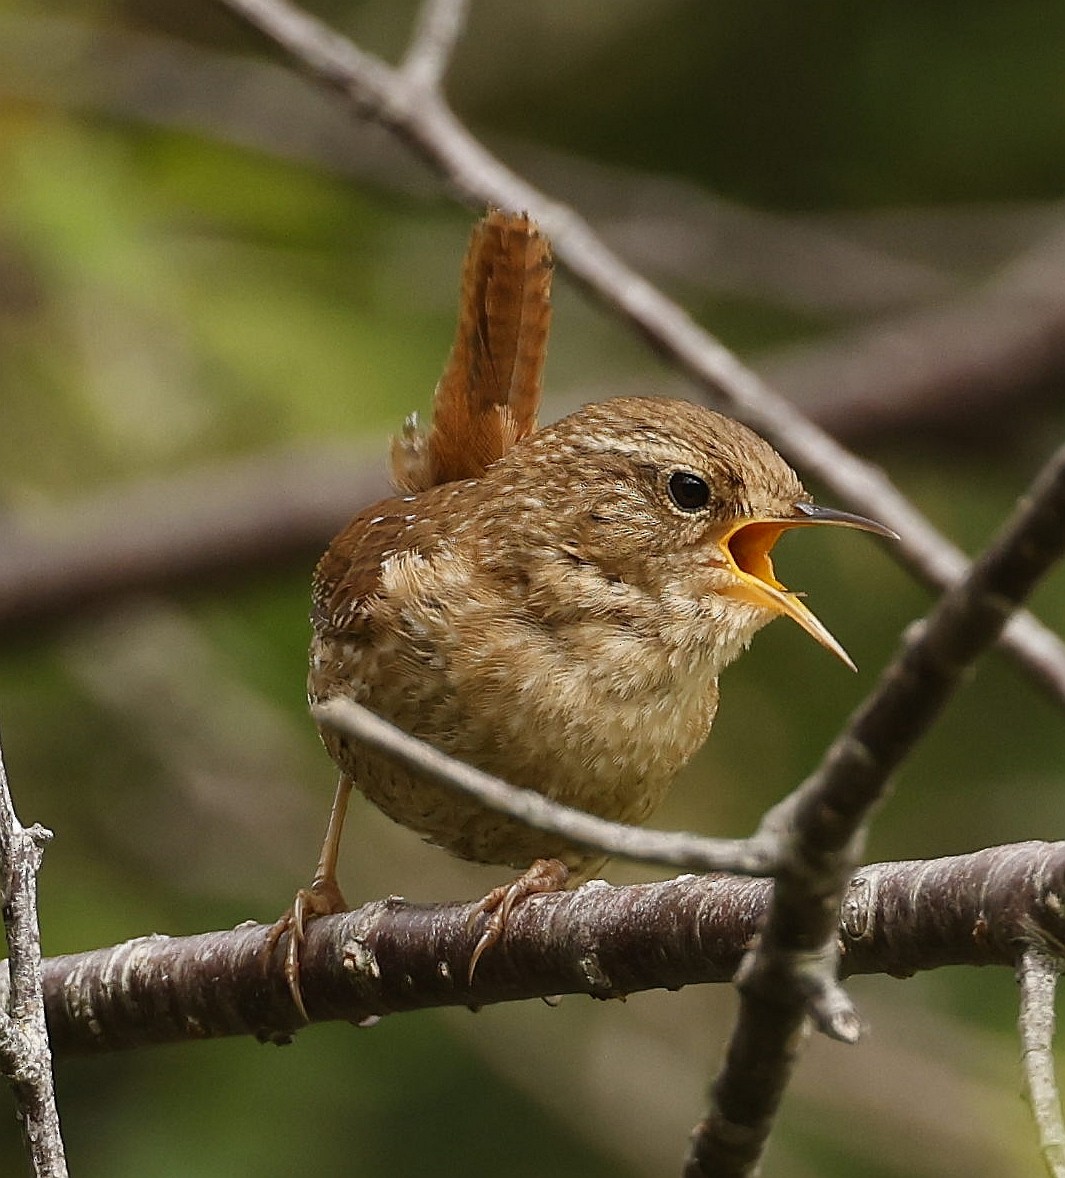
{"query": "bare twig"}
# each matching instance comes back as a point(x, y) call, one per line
point(669, 848)
point(425, 122)
point(25, 1054)
point(1038, 974)
point(440, 25)
point(391, 956)
point(791, 972)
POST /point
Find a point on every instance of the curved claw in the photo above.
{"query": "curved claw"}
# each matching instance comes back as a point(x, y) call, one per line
point(544, 875)
point(322, 898)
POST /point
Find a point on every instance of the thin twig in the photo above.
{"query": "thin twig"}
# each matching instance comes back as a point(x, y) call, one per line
point(440, 24)
point(667, 848)
point(429, 127)
point(25, 1054)
point(1038, 975)
point(791, 972)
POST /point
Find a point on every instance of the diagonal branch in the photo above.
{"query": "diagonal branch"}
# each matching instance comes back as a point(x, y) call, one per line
point(423, 120)
point(791, 972)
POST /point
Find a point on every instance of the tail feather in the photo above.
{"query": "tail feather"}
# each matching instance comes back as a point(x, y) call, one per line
point(489, 395)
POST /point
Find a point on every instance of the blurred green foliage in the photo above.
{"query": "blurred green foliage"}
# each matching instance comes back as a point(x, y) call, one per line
point(170, 298)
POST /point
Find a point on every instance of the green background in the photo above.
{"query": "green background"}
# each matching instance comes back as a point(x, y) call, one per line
point(199, 260)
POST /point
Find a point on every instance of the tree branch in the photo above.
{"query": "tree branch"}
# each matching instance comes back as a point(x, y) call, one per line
point(423, 120)
point(1038, 974)
point(791, 972)
point(179, 530)
point(390, 956)
point(440, 24)
point(25, 1055)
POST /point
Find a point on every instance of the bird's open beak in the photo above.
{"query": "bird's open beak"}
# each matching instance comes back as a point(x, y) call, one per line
point(746, 547)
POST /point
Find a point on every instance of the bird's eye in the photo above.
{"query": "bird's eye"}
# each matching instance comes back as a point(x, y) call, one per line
point(688, 491)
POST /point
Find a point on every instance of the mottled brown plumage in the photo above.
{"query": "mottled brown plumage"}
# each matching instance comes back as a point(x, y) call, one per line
point(560, 615)
point(557, 622)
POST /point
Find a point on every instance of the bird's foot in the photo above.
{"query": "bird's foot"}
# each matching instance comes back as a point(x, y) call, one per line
point(544, 875)
point(322, 898)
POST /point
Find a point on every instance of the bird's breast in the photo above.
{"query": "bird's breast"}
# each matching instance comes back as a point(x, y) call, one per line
point(597, 712)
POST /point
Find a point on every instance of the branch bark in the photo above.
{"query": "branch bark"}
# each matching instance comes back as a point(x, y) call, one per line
point(1038, 974)
point(25, 1055)
point(390, 956)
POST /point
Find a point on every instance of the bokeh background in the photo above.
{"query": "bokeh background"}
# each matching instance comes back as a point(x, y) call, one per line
point(213, 284)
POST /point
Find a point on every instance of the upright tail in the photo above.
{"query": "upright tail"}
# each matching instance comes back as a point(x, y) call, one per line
point(489, 394)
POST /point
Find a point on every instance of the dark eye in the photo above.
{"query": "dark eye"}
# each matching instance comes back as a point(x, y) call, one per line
point(688, 491)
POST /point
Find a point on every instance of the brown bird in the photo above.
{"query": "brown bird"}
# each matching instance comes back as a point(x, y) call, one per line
point(554, 606)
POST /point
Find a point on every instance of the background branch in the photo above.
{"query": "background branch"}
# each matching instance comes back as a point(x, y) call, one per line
point(440, 25)
point(188, 529)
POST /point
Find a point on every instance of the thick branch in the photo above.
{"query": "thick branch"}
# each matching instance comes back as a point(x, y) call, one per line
point(424, 122)
point(390, 956)
point(790, 972)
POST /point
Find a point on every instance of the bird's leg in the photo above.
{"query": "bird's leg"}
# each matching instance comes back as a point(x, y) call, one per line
point(322, 898)
point(544, 875)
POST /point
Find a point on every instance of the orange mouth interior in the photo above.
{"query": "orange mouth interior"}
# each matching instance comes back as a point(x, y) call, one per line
point(746, 548)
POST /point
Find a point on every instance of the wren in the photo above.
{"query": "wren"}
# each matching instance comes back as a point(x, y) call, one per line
point(555, 605)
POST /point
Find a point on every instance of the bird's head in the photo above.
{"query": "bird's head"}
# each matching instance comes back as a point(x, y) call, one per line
point(671, 499)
